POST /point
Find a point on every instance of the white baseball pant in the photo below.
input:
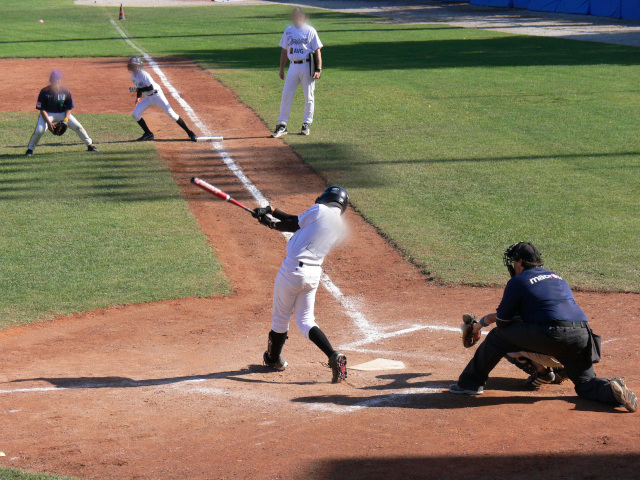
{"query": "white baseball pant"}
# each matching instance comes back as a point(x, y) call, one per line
point(157, 99)
point(41, 128)
point(298, 74)
point(295, 291)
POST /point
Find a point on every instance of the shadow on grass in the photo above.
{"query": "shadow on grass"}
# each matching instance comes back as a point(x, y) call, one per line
point(507, 51)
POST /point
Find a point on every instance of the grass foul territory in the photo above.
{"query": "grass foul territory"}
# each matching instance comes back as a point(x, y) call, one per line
point(453, 142)
point(83, 231)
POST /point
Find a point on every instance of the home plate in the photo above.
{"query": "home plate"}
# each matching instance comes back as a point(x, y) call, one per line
point(378, 364)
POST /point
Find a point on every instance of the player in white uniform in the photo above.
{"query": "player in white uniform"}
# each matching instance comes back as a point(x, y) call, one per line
point(301, 46)
point(153, 95)
point(316, 231)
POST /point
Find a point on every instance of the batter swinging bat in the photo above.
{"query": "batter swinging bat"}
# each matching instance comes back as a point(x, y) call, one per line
point(218, 193)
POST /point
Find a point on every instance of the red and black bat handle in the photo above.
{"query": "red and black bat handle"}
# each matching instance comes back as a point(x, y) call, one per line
point(207, 187)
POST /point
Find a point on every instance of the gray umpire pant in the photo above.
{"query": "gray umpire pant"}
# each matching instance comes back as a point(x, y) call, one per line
point(569, 342)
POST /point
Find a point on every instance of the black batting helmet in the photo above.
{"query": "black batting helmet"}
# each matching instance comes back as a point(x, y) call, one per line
point(525, 251)
point(135, 64)
point(336, 195)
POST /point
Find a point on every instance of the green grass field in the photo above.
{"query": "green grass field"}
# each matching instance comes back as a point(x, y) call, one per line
point(453, 142)
point(87, 230)
point(10, 474)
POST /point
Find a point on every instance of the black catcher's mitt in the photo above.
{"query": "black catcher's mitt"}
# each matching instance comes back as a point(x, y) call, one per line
point(59, 128)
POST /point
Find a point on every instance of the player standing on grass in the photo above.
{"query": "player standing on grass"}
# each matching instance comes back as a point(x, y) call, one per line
point(55, 104)
point(153, 95)
point(315, 232)
point(301, 46)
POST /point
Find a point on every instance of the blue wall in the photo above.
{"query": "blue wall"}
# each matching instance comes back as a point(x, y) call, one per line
point(627, 9)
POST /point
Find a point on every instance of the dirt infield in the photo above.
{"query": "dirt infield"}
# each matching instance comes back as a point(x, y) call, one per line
point(175, 389)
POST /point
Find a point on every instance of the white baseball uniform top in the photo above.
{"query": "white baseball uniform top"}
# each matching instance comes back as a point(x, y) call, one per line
point(321, 227)
point(142, 79)
point(300, 42)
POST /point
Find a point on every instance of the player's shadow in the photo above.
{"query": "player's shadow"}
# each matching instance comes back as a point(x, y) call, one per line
point(125, 382)
point(434, 395)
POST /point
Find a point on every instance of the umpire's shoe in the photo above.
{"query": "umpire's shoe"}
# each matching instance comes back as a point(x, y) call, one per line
point(466, 391)
point(280, 131)
point(280, 364)
point(338, 364)
point(625, 397)
point(306, 130)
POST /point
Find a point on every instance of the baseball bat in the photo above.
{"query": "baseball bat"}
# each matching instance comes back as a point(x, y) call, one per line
point(207, 187)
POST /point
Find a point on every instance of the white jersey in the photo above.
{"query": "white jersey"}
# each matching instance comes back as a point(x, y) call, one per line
point(321, 227)
point(142, 79)
point(300, 42)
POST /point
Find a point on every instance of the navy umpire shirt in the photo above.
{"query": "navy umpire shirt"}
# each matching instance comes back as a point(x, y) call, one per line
point(55, 101)
point(539, 295)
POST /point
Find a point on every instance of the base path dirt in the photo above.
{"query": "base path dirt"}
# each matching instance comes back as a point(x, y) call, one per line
point(176, 389)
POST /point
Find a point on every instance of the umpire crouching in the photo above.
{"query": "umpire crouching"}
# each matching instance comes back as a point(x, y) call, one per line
point(550, 322)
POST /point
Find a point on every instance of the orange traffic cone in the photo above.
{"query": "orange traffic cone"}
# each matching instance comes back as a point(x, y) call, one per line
point(121, 16)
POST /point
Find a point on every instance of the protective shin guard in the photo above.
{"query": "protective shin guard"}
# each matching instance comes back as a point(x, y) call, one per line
point(276, 342)
point(143, 124)
point(184, 126)
point(318, 337)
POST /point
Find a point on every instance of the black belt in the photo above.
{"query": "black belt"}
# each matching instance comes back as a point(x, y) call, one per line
point(302, 264)
point(564, 323)
point(300, 61)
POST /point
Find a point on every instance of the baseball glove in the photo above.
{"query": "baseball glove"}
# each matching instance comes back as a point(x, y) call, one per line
point(468, 337)
point(59, 128)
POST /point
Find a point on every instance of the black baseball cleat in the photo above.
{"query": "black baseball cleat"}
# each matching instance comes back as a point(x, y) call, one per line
point(92, 148)
point(147, 137)
point(538, 379)
point(279, 365)
point(28, 153)
point(306, 130)
point(338, 364)
point(625, 397)
point(193, 137)
point(279, 131)
point(466, 391)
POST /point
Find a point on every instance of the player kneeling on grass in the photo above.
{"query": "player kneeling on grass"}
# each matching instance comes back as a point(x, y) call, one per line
point(552, 324)
point(315, 232)
point(55, 104)
point(153, 95)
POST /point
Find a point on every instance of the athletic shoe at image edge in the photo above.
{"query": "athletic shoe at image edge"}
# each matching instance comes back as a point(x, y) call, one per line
point(462, 391)
point(305, 129)
point(623, 395)
point(279, 131)
point(338, 364)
